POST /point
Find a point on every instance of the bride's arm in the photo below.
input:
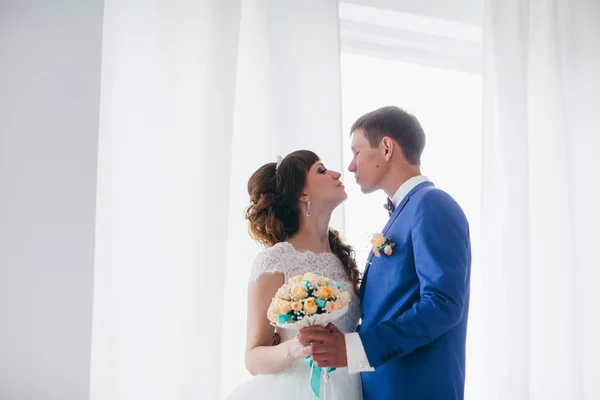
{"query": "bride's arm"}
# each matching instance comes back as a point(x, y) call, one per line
point(262, 357)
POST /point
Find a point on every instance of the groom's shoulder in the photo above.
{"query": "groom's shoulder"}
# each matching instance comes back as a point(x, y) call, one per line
point(434, 199)
point(433, 194)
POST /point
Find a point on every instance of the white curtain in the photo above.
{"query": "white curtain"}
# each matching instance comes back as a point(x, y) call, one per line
point(540, 214)
point(195, 96)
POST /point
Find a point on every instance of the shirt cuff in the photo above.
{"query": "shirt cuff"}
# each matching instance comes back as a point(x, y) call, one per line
point(355, 354)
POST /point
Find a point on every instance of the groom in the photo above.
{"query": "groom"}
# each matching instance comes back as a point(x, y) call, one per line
point(415, 301)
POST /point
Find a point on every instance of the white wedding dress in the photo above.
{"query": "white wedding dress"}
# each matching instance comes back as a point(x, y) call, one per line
point(293, 382)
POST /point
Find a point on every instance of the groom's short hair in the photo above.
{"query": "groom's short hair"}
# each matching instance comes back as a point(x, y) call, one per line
point(399, 125)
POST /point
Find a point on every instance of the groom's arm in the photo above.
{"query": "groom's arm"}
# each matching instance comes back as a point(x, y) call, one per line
point(440, 237)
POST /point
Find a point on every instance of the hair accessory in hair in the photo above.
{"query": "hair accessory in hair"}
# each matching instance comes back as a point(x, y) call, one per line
point(279, 160)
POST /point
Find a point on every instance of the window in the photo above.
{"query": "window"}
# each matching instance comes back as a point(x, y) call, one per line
point(442, 87)
point(448, 105)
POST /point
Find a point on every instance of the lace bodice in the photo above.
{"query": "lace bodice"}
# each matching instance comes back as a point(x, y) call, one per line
point(283, 257)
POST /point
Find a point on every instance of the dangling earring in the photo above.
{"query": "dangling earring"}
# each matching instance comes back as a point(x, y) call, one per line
point(308, 209)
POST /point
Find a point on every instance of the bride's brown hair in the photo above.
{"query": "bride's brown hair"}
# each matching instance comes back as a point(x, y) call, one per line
point(273, 213)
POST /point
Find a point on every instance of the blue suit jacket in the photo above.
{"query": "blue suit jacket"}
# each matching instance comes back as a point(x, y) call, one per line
point(415, 302)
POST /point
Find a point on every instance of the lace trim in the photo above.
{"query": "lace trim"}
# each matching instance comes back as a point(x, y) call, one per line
point(268, 261)
point(284, 258)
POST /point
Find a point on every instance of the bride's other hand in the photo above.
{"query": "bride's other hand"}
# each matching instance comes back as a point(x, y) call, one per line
point(294, 348)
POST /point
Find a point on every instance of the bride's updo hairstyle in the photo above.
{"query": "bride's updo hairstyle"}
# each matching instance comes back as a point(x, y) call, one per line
point(273, 214)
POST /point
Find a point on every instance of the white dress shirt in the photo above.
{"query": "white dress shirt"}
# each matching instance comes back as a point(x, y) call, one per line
point(355, 351)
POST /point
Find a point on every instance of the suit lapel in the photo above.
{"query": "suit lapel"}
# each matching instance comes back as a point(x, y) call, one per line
point(387, 227)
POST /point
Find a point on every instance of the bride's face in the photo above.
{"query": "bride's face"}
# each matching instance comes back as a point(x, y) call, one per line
point(323, 186)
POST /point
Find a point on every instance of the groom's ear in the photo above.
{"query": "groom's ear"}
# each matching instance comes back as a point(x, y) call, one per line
point(388, 147)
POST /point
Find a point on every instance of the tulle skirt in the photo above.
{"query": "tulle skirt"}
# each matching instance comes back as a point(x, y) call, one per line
point(293, 384)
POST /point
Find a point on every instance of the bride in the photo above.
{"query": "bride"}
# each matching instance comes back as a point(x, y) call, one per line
point(291, 205)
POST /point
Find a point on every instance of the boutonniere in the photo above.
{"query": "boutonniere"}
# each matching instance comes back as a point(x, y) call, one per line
point(382, 244)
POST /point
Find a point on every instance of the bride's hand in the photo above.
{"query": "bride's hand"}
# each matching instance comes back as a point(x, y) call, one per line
point(293, 348)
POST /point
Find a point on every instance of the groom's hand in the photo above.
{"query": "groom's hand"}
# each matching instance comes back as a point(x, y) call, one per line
point(327, 347)
point(309, 332)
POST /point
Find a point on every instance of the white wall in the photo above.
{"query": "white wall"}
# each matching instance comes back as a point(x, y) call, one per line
point(49, 100)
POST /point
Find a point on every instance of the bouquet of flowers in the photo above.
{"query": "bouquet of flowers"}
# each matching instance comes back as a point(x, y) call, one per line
point(307, 300)
point(304, 301)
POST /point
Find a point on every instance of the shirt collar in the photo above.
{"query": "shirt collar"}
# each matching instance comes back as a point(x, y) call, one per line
point(406, 187)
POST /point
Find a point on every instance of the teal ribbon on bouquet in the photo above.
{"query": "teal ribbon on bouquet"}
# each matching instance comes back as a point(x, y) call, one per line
point(315, 376)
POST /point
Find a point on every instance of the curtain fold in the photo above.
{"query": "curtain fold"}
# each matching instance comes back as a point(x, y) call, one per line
point(287, 98)
point(538, 220)
point(195, 97)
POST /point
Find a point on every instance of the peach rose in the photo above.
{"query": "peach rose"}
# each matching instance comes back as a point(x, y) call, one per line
point(330, 306)
point(377, 240)
point(387, 250)
point(271, 316)
point(297, 306)
point(324, 293)
point(297, 279)
point(346, 297)
point(322, 281)
point(284, 307)
point(309, 276)
point(299, 292)
point(310, 307)
point(334, 291)
point(340, 303)
point(283, 294)
point(275, 303)
point(376, 252)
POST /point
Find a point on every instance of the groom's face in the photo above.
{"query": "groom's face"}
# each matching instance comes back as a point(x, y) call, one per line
point(366, 163)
